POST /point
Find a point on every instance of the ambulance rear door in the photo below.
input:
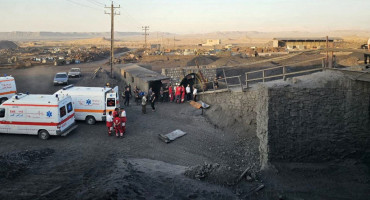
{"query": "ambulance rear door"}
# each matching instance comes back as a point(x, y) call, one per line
point(111, 101)
point(66, 114)
point(4, 126)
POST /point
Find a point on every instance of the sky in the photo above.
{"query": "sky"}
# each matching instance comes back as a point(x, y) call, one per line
point(185, 16)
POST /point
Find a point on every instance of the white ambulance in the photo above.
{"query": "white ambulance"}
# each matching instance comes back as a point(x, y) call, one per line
point(92, 103)
point(41, 115)
point(7, 88)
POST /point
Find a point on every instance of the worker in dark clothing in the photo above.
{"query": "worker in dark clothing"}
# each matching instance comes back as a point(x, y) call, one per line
point(152, 101)
point(127, 97)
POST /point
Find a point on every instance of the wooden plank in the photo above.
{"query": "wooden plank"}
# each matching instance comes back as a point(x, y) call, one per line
point(195, 104)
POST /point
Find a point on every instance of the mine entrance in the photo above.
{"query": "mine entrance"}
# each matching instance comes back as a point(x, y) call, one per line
point(190, 79)
point(156, 86)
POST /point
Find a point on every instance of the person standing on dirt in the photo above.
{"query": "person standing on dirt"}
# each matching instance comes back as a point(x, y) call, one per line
point(215, 81)
point(136, 95)
point(127, 97)
point(182, 94)
point(115, 113)
point(123, 120)
point(150, 91)
point(152, 101)
point(170, 93)
point(178, 94)
point(195, 93)
point(110, 123)
point(129, 89)
point(161, 93)
point(118, 126)
point(188, 93)
point(143, 104)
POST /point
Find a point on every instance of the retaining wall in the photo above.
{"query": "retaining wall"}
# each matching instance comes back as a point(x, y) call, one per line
point(315, 118)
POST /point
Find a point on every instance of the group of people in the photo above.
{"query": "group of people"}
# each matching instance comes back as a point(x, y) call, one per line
point(116, 121)
point(181, 92)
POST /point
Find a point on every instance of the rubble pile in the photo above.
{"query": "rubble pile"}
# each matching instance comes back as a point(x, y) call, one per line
point(11, 165)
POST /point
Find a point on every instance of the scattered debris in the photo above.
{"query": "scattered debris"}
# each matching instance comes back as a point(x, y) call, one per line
point(243, 174)
point(51, 191)
point(167, 138)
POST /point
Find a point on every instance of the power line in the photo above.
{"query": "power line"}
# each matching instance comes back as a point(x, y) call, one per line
point(112, 13)
point(96, 2)
point(82, 5)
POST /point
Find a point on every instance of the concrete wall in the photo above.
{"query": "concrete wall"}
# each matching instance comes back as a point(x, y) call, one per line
point(238, 108)
point(314, 118)
point(177, 74)
point(310, 124)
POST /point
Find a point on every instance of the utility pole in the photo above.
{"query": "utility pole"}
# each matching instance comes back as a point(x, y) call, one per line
point(145, 29)
point(112, 13)
point(174, 42)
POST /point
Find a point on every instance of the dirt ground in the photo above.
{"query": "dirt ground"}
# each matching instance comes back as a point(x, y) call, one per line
point(204, 164)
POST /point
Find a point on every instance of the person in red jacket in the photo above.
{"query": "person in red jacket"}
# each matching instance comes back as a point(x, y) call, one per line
point(118, 126)
point(178, 94)
point(115, 112)
point(170, 93)
point(182, 94)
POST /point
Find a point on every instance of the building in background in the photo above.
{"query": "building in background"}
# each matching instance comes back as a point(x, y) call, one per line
point(143, 78)
point(303, 43)
point(212, 42)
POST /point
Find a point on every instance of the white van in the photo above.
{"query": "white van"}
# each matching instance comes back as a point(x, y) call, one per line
point(7, 88)
point(41, 115)
point(92, 103)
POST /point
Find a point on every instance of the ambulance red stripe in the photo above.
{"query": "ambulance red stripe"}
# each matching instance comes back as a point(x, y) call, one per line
point(38, 123)
point(7, 80)
point(38, 105)
point(10, 92)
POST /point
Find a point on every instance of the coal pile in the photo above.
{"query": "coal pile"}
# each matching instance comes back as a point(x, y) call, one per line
point(13, 164)
point(5, 44)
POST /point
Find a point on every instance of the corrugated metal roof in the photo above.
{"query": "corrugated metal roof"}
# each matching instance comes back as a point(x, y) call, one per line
point(142, 73)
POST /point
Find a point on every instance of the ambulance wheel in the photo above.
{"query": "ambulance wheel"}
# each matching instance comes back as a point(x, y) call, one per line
point(44, 134)
point(90, 120)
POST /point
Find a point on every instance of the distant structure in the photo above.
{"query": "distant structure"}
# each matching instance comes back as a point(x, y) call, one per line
point(212, 42)
point(155, 46)
point(141, 77)
point(303, 43)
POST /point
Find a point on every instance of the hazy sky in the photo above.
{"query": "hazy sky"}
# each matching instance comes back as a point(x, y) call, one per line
point(185, 16)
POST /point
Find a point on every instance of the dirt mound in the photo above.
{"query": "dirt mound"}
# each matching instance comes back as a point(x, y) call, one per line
point(349, 62)
point(5, 44)
point(12, 165)
point(202, 60)
point(213, 173)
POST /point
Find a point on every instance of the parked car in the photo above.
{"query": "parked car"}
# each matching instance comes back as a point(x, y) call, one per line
point(61, 78)
point(364, 46)
point(74, 72)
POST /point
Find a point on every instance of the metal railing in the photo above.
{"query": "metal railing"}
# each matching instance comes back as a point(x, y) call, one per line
point(284, 74)
point(222, 84)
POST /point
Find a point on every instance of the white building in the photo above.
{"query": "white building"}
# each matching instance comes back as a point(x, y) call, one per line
point(212, 42)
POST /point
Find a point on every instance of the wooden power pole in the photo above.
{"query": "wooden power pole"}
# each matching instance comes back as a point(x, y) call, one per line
point(112, 13)
point(145, 29)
